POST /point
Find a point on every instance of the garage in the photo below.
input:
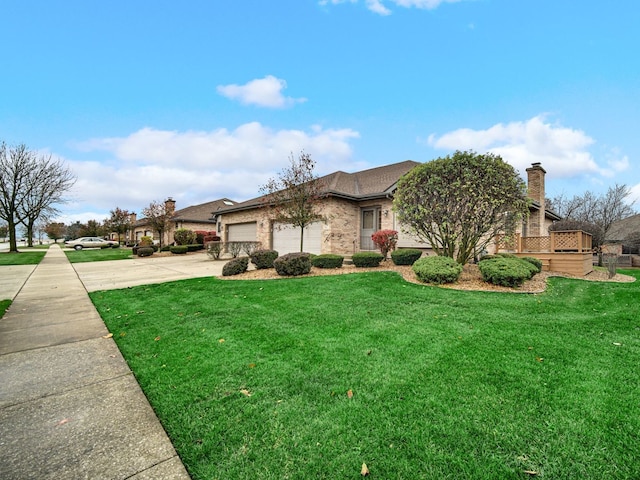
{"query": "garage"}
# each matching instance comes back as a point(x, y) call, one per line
point(241, 232)
point(286, 238)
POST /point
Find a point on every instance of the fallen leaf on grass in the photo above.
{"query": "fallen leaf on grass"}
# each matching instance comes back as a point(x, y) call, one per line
point(108, 335)
point(539, 359)
point(531, 472)
point(157, 338)
point(364, 471)
point(221, 340)
point(252, 365)
point(350, 393)
point(617, 344)
point(245, 392)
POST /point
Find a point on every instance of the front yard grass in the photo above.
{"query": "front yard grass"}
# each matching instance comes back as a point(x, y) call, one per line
point(98, 254)
point(312, 377)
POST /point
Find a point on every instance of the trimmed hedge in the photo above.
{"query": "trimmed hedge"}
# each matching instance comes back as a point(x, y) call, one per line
point(507, 272)
point(535, 262)
point(437, 270)
point(405, 256)
point(179, 249)
point(263, 258)
point(367, 259)
point(293, 264)
point(235, 266)
point(327, 260)
point(144, 251)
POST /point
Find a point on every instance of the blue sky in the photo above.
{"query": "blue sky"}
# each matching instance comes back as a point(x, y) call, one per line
point(204, 99)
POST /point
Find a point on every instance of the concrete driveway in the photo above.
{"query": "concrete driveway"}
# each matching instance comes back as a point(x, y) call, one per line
point(116, 274)
point(146, 270)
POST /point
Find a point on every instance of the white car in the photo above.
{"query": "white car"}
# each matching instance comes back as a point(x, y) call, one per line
point(91, 242)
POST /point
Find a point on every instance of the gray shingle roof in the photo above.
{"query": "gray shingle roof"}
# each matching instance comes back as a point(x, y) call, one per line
point(373, 182)
point(622, 228)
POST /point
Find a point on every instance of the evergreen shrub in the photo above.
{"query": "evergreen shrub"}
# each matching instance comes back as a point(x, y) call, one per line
point(506, 272)
point(235, 266)
point(437, 270)
point(263, 258)
point(327, 260)
point(405, 256)
point(179, 249)
point(367, 259)
point(293, 264)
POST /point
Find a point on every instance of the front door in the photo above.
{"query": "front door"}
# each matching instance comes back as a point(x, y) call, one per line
point(370, 223)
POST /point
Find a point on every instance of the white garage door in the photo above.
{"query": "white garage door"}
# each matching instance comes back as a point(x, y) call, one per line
point(242, 232)
point(286, 238)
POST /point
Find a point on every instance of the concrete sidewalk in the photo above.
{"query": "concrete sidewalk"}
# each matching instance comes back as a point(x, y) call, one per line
point(70, 407)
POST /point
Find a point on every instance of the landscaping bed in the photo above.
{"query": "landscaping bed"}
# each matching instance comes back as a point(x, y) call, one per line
point(470, 279)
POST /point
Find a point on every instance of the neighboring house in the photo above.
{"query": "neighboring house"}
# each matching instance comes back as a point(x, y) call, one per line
point(197, 217)
point(354, 206)
point(619, 232)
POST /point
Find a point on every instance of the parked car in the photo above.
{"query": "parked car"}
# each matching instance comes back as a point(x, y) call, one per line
point(91, 242)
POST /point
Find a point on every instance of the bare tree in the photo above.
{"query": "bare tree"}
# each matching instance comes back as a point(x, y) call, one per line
point(158, 217)
point(29, 188)
point(293, 196)
point(15, 166)
point(47, 184)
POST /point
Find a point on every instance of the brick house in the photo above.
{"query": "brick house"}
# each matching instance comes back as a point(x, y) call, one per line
point(196, 217)
point(355, 206)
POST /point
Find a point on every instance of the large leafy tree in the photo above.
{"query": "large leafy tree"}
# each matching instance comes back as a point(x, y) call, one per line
point(119, 221)
point(55, 230)
point(158, 217)
point(460, 202)
point(293, 196)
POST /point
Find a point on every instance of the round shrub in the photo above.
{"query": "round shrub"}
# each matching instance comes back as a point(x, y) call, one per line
point(235, 266)
point(327, 260)
point(367, 259)
point(144, 251)
point(405, 256)
point(184, 236)
point(263, 258)
point(507, 272)
point(437, 270)
point(535, 262)
point(293, 264)
point(178, 249)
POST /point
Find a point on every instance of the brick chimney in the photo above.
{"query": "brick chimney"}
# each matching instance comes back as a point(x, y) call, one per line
point(169, 206)
point(535, 191)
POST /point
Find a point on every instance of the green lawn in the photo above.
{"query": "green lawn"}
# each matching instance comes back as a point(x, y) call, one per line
point(25, 256)
point(312, 377)
point(98, 254)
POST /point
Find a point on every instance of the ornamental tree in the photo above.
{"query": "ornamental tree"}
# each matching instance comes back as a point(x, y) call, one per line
point(459, 203)
point(385, 240)
point(293, 197)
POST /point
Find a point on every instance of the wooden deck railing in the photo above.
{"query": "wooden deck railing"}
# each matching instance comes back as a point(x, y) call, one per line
point(573, 241)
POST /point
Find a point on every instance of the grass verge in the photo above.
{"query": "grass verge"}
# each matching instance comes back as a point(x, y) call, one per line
point(4, 305)
point(311, 377)
point(24, 257)
point(98, 254)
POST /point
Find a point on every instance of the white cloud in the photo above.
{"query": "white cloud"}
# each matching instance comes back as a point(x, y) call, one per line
point(563, 151)
point(378, 7)
point(197, 166)
point(264, 92)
